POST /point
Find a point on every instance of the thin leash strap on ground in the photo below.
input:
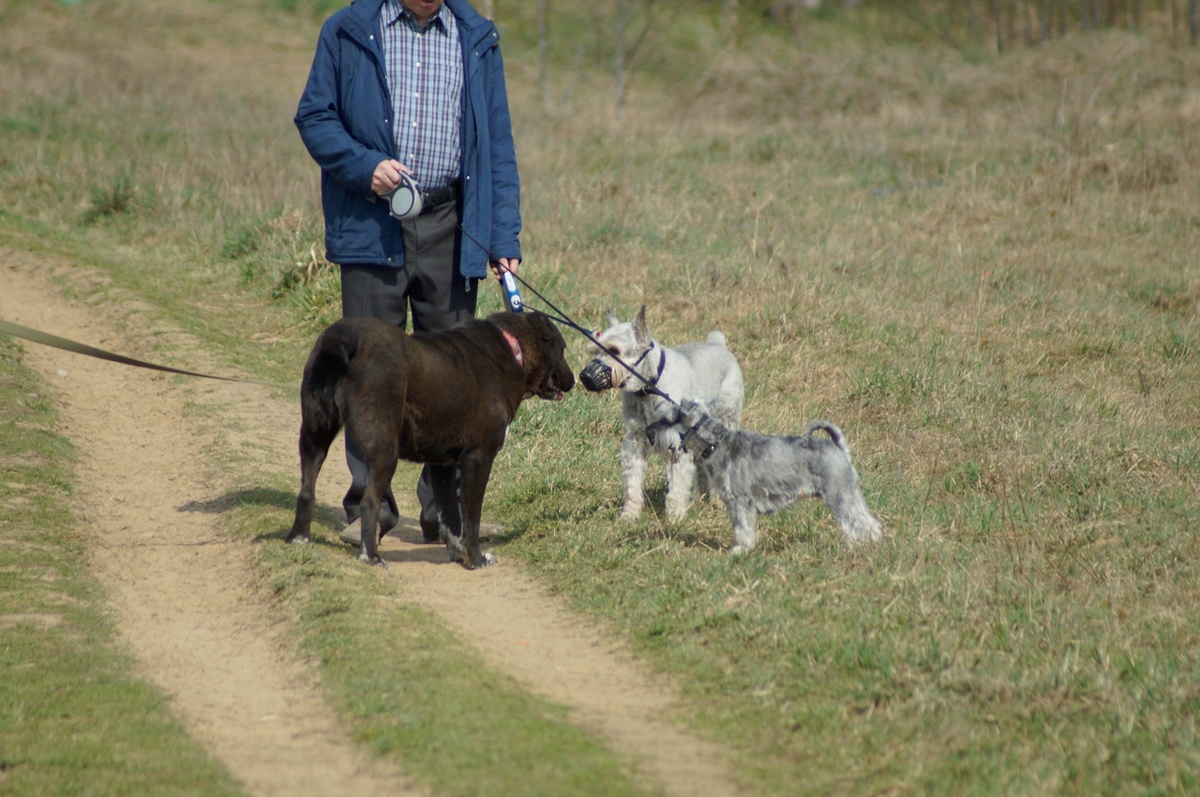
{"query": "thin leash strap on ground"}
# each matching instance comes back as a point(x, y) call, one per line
point(46, 339)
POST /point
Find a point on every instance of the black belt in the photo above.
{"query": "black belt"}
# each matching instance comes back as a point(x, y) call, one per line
point(438, 197)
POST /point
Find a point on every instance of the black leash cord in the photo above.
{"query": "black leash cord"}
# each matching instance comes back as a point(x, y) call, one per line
point(650, 387)
point(45, 338)
point(562, 317)
point(565, 320)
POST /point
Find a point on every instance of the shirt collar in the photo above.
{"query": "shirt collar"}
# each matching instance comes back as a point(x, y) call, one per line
point(394, 11)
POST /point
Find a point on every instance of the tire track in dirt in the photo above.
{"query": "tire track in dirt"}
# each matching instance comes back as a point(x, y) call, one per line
point(187, 606)
point(182, 591)
point(524, 633)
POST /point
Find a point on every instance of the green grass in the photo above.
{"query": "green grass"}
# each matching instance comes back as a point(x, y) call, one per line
point(74, 719)
point(415, 691)
point(982, 267)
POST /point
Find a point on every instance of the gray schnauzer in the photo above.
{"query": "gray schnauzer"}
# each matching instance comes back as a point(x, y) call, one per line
point(703, 370)
point(760, 474)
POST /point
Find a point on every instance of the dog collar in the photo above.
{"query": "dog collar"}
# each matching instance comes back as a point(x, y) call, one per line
point(514, 345)
point(689, 434)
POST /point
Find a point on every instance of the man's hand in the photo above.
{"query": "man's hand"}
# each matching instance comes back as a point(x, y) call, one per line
point(387, 176)
point(503, 264)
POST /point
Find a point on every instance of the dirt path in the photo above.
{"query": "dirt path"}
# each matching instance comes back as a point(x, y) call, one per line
point(186, 603)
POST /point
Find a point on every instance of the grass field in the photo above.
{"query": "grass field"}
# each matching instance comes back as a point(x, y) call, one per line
point(985, 269)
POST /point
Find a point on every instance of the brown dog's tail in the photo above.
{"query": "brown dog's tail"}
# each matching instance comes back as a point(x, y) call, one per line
point(327, 365)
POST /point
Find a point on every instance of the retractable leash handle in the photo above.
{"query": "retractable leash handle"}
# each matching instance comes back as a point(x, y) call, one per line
point(512, 295)
point(404, 201)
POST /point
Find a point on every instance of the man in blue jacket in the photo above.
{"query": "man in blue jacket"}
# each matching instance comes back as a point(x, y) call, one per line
point(413, 87)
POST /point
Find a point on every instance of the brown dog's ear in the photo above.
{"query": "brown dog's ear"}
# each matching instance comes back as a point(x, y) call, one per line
point(547, 326)
point(612, 317)
point(639, 326)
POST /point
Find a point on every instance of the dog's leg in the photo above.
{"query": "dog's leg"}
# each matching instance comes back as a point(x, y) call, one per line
point(369, 517)
point(744, 518)
point(475, 475)
point(635, 450)
point(703, 486)
point(857, 523)
point(313, 450)
point(841, 493)
point(681, 471)
point(379, 480)
point(444, 480)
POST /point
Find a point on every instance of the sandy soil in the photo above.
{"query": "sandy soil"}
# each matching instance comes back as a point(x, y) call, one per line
point(186, 600)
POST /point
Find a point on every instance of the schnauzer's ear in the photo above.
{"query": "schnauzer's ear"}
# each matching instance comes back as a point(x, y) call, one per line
point(612, 317)
point(639, 326)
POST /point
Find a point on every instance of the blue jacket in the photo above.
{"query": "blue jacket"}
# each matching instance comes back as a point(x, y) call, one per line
point(344, 119)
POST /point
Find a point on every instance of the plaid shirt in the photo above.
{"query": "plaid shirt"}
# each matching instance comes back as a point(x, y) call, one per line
point(425, 75)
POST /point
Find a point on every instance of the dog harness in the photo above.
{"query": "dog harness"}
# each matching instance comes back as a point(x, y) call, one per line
point(689, 434)
point(721, 433)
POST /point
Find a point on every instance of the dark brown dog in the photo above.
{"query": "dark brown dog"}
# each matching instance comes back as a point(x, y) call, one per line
point(445, 399)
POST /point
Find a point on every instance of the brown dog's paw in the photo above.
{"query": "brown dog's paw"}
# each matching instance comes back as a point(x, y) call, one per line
point(484, 560)
point(374, 561)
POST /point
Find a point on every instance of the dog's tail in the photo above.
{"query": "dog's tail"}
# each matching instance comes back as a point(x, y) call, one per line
point(832, 430)
point(717, 338)
point(328, 363)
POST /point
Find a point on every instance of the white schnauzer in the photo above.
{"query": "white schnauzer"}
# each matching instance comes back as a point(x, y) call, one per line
point(703, 370)
point(760, 474)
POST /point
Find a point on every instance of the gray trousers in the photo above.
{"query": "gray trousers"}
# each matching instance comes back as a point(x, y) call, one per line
point(439, 297)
